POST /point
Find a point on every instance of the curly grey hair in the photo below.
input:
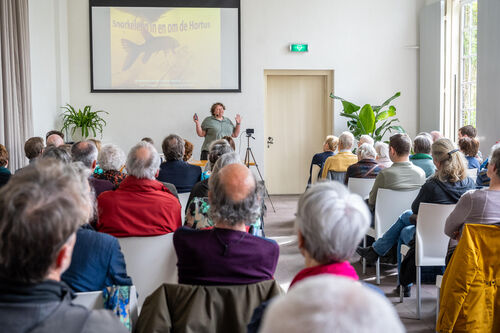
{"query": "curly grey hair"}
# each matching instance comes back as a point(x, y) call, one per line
point(332, 221)
point(143, 166)
point(57, 153)
point(111, 157)
point(225, 210)
point(382, 149)
point(40, 209)
point(366, 151)
point(173, 147)
point(494, 158)
point(218, 148)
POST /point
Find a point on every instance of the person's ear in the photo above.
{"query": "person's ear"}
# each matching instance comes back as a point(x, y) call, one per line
point(157, 173)
point(94, 164)
point(300, 239)
point(63, 259)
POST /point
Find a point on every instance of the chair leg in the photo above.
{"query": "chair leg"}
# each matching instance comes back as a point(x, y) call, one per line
point(419, 305)
point(437, 305)
point(378, 270)
point(363, 259)
point(401, 294)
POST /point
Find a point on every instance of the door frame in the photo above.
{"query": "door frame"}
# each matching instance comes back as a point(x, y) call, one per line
point(327, 74)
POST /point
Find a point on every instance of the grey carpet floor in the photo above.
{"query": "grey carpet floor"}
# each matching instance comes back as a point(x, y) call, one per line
point(280, 227)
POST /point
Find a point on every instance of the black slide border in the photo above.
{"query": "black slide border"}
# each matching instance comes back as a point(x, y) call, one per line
point(164, 3)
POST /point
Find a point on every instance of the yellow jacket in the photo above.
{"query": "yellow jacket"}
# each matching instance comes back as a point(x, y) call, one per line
point(469, 301)
point(339, 162)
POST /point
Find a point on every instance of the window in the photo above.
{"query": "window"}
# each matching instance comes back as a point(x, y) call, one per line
point(468, 62)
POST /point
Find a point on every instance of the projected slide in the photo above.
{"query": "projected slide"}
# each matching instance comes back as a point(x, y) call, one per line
point(174, 48)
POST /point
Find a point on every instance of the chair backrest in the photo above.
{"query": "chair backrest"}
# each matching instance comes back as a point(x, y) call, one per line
point(472, 173)
point(314, 173)
point(361, 186)
point(151, 261)
point(92, 300)
point(389, 206)
point(334, 175)
point(431, 242)
point(183, 198)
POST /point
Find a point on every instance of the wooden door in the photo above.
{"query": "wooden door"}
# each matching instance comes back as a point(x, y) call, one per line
point(298, 117)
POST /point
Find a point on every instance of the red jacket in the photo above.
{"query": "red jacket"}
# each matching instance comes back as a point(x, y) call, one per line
point(139, 207)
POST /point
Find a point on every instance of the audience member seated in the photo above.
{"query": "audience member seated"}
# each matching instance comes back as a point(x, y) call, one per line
point(327, 240)
point(482, 179)
point(227, 254)
point(54, 140)
point(49, 133)
point(230, 141)
point(331, 304)
point(365, 139)
point(86, 152)
point(382, 150)
point(341, 161)
point(216, 150)
point(148, 140)
point(447, 185)
point(141, 206)
point(4, 162)
point(57, 153)
point(97, 262)
point(33, 148)
point(188, 150)
point(422, 157)
point(111, 159)
point(470, 148)
point(198, 209)
point(329, 147)
point(402, 175)
point(174, 170)
point(469, 131)
point(436, 135)
point(479, 206)
point(42, 208)
point(367, 166)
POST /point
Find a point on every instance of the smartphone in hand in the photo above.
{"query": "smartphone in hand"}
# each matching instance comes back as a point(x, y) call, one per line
point(195, 116)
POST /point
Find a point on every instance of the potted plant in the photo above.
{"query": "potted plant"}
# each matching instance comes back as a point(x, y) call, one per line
point(372, 120)
point(82, 122)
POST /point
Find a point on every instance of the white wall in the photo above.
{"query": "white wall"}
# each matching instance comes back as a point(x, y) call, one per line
point(49, 59)
point(488, 73)
point(366, 42)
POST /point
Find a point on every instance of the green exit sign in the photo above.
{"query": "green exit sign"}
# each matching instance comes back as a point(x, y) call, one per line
point(299, 48)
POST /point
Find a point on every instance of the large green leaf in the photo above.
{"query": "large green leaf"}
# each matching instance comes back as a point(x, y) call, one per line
point(367, 119)
point(378, 107)
point(386, 114)
point(352, 116)
point(349, 107)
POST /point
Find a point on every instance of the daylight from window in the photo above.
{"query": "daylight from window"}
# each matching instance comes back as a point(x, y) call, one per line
point(468, 63)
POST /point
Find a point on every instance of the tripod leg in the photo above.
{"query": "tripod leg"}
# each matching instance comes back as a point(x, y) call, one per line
point(249, 150)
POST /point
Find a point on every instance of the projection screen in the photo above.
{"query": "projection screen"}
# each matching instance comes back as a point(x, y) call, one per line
point(165, 46)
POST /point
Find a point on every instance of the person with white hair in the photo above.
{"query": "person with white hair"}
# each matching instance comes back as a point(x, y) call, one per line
point(367, 166)
point(141, 206)
point(422, 155)
point(344, 158)
point(383, 158)
point(365, 139)
point(330, 222)
point(327, 303)
point(111, 159)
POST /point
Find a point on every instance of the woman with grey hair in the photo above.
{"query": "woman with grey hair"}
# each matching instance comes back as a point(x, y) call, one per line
point(422, 155)
point(330, 223)
point(367, 166)
point(111, 160)
point(382, 150)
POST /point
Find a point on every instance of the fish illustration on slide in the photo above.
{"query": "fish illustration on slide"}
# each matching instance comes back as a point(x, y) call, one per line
point(151, 45)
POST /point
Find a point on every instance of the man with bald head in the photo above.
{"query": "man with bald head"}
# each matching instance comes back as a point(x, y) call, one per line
point(54, 140)
point(227, 254)
point(141, 206)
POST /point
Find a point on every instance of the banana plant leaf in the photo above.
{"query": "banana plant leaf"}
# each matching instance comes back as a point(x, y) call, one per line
point(367, 118)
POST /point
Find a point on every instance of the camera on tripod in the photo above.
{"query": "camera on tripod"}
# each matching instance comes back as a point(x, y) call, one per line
point(250, 131)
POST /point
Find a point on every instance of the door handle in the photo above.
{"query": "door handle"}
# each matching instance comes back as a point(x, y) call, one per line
point(270, 141)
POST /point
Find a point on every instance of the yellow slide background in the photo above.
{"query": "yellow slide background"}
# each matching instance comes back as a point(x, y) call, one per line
point(185, 49)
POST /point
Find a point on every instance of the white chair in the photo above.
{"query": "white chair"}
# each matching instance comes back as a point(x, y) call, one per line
point(361, 186)
point(93, 300)
point(183, 198)
point(431, 244)
point(389, 206)
point(472, 173)
point(439, 280)
point(336, 176)
point(315, 173)
point(151, 261)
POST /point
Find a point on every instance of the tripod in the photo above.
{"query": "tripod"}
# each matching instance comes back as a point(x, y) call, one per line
point(248, 155)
